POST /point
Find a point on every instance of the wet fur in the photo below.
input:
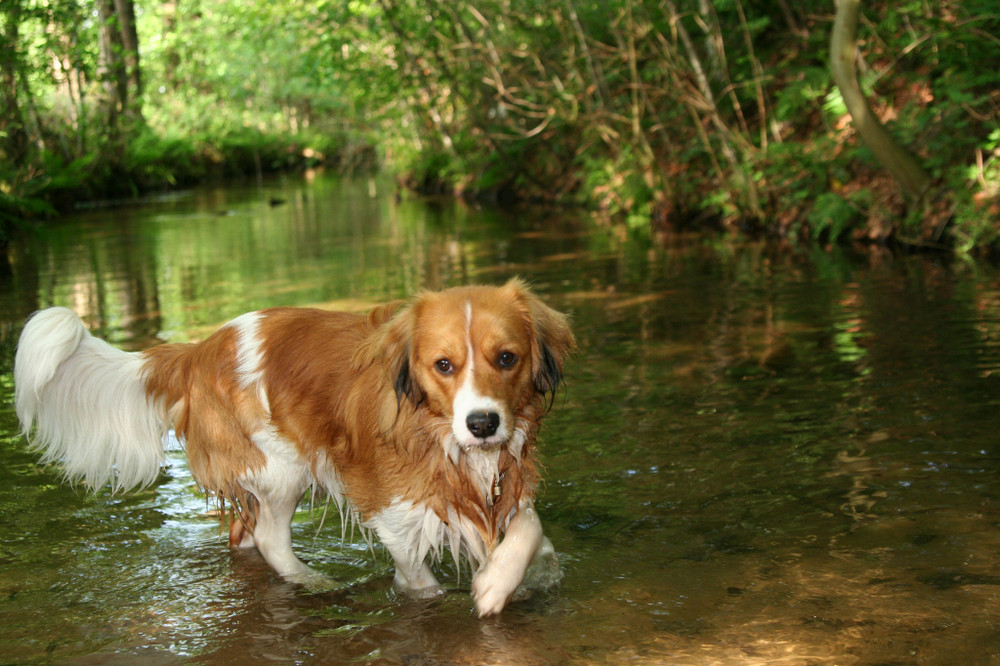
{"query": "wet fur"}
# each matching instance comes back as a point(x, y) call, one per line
point(287, 398)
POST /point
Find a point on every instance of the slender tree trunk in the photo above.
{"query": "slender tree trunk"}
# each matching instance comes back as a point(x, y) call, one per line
point(111, 68)
point(911, 177)
point(119, 64)
point(13, 135)
point(125, 9)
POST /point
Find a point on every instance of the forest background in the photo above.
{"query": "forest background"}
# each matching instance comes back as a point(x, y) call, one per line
point(666, 114)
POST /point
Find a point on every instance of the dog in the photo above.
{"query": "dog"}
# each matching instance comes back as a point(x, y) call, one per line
point(418, 419)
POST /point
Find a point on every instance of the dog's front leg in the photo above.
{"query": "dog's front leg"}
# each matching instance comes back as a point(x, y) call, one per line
point(504, 570)
point(413, 577)
point(415, 580)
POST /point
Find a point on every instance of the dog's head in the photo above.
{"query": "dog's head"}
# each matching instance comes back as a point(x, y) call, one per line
point(478, 358)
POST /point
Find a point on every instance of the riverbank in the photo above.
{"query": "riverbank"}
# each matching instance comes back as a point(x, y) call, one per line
point(153, 162)
point(868, 208)
point(666, 116)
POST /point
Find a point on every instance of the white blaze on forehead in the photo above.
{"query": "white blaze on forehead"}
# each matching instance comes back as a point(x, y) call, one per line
point(471, 355)
point(468, 399)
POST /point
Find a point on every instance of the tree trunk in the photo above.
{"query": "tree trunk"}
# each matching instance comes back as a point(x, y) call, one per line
point(119, 63)
point(125, 9)
point(13, 135)
point(911, 177)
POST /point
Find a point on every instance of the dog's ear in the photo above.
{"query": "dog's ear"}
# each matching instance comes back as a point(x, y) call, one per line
point(391, 346)
point(551, 338)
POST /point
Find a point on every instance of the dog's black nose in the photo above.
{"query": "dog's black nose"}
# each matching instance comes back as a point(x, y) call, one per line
point(482, 424)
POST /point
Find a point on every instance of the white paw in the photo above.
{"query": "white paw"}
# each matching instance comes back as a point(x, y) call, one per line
point(313, 581)
point(423, 587)
point(428, 592)
point(491, 590)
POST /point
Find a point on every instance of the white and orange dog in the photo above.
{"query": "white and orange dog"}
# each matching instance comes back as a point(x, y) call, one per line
point(418, 419)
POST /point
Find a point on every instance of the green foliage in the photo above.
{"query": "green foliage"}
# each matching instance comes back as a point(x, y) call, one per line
point(831, 216)
point(806, 92)
point(618, 186)
point(16, 209)
point(639, 107)
point(156, 160)
point(65, 175)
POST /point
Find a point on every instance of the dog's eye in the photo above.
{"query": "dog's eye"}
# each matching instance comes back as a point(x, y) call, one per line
point(444, 366)
point(506, 359)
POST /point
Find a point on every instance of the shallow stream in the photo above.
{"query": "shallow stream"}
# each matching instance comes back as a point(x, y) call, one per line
point(761, 457)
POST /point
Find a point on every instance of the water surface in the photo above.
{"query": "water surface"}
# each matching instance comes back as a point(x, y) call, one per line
point(761, 457)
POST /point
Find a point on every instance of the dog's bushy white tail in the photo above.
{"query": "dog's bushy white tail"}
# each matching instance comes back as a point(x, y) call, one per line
point(83, 403)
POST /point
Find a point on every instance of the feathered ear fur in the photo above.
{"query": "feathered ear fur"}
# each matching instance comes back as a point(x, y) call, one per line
point(391, 344)
point(551, 338)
